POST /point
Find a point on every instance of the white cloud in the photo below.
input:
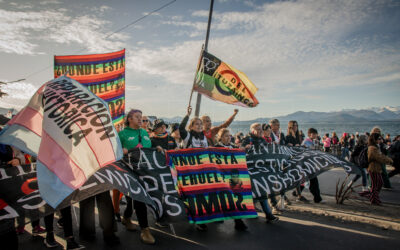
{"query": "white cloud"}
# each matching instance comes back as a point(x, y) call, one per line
point(175, 64)
point(177, 18)
point(132, 88)
point(153, 14)
point(200, 13)
point(18, 94)
point(300, 44)
point(19, 90)
point(22, 6)
point(46, 2)
point(22, 30)
point(87, 31)
point(102, 9)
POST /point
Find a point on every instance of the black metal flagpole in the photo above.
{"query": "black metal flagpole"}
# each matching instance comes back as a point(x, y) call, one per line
point(197, 110)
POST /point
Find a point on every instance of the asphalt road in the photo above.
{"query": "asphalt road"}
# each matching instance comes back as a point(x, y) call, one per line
point(293, 231)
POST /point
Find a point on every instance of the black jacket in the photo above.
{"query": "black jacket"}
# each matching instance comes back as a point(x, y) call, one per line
point(167, 142)
point(253, 140)
point(292, 140)
point(282, 141)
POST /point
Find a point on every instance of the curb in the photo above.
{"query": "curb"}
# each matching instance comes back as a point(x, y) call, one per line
point(378, 222)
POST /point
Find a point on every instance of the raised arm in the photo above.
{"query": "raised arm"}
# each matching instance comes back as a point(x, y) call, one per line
point(182, 126)
point(214, 130)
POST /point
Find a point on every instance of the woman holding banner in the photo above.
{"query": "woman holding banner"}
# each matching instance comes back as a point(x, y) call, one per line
point(224, 140)
point(193, 138)
point(134, 136)
point(255, 139)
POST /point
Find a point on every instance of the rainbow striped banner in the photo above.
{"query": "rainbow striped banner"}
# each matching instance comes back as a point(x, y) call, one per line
point(71, 133)
point(214, 183)
point(103, 74)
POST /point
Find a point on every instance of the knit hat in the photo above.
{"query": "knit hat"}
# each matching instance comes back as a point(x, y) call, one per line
point(158, 123)
point(174, 127)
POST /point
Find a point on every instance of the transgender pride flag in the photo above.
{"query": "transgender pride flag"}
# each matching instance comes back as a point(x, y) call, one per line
point(70, 131)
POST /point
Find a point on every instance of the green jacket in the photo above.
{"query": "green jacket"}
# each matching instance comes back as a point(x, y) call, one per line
point(130, 138)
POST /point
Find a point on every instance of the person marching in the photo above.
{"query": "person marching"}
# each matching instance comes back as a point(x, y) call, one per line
point(314, 184)
point(224, 141)
point(356, 158)
point(255, 139)
point(160, 138)
point(375, 161)
point(211, 132)
point(193, 138)
point(135, 136)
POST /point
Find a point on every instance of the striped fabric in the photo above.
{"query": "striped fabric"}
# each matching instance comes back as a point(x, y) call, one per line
point(70, 131)
point(376, 186)
point(213, 182)
point(103, 74)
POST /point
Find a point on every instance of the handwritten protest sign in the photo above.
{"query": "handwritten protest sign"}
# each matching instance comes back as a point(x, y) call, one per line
point(214, 183)
point(71, 133)
point(103, 74)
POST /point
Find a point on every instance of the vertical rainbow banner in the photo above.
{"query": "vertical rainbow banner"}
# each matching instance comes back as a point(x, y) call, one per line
point(214, 183)
point(102, 74)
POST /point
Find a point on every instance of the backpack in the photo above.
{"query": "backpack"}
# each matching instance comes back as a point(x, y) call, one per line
point(362, 159)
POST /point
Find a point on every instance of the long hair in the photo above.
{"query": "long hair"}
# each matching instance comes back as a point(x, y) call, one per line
point(191, 123)
point(376, 129)
point(362, 140)
point(373, 139)
point(290, 127)
point(221, 133)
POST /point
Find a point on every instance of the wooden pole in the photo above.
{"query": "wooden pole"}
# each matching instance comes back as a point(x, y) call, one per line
point(198, 102)
point(195, 75)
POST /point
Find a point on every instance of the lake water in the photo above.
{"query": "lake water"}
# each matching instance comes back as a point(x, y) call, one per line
point(392, 128)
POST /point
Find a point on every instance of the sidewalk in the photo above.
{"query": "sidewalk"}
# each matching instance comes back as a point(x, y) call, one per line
point(386, 216)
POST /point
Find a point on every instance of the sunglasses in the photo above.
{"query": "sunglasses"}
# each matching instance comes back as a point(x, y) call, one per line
point(145, 120)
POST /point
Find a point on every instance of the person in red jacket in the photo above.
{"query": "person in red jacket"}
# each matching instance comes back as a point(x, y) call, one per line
point(210, 132)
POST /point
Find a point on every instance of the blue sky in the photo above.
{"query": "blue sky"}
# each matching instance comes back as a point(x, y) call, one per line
point(311, 55)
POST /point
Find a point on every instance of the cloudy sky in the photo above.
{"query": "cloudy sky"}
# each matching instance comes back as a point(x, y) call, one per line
point(309, 55)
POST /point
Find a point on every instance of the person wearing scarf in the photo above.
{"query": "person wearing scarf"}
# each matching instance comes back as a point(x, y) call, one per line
point(210, 132)
point(160, 138)
point(193, 138)
point(224, 141)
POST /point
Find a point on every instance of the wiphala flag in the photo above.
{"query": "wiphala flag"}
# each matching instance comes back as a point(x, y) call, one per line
point(103, 74)
point(214, 183)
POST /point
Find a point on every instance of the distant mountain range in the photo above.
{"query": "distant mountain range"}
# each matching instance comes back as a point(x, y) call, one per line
point(386, 113)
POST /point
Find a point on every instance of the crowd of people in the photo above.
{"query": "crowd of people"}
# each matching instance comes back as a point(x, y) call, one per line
point(140, 132)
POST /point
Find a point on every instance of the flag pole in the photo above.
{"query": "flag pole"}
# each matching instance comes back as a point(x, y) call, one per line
point(197, 110)
point(195, 75)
